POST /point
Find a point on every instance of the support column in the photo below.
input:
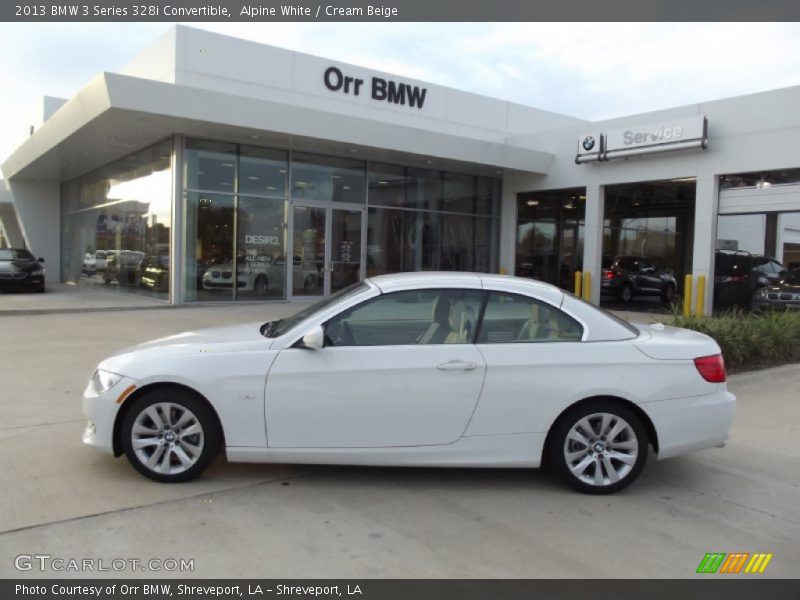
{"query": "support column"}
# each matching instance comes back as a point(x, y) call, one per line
point(593, 238)
point(705, 234)
point(508, 230)
point(177, 257)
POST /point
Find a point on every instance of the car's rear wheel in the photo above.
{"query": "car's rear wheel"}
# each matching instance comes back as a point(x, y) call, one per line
point(668, 295)
point(170, 435)
point(626, 292)
point(599, 447)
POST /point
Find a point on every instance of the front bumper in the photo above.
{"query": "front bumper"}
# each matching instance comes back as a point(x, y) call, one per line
point(688, 424)
point(101, 412)
point(766, 304)
point(13, 282)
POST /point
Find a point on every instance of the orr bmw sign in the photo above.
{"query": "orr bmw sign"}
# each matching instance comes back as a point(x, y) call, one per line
point(638, 140)
point(378, 88)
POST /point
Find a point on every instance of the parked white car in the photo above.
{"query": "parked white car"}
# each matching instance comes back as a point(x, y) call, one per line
point(428, 369)
point(259, 277)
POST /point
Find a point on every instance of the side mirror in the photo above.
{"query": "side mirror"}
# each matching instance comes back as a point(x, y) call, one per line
point(41, 260)
point(314, 339)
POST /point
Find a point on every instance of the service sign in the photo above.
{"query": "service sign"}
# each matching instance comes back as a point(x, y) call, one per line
point(655, 134)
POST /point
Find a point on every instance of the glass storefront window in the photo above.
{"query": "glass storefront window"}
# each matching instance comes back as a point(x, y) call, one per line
point(550, 228)
point(487, 196)
point(116, 224)
point(263, 172)
point(209, 247)
point(326, 178)
point(261, 248)
point(458, 193)
point(457, 242)
point(387, 185)
point(238, 210)
point(424, 190)
point(210, 166)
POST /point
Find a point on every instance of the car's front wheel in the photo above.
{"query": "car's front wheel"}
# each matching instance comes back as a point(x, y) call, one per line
point(599, 447)
point(170, 435)
point(626, 292)
point(668, 295)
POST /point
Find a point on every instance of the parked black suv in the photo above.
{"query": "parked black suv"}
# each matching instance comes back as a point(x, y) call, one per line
point(738, 275)
point(629, 276)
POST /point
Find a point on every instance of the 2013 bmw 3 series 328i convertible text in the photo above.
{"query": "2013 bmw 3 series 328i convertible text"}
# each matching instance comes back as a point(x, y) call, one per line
point(419, 369)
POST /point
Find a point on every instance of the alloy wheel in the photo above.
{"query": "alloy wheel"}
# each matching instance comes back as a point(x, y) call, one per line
point(167, 438)
point(601, 449)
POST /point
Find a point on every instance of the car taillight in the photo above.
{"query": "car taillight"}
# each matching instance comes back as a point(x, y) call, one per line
point(608, 274)
point(711, 368)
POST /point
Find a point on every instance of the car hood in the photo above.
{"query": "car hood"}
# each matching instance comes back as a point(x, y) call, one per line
point(784, 287)
point(12, 266)
point(235, 338)
point(673, 343)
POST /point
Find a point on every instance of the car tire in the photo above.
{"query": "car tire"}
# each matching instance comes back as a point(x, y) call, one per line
point(170, 435)
point(626, 293)
point(260, 286)
point(40, 289)
point(590, 462)
point(668, 295)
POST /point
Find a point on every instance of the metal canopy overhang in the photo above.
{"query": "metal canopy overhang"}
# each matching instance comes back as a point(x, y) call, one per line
point(116, 115)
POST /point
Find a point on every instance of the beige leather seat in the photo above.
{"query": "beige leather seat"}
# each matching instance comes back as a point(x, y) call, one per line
point(440, 329)
point(543, 325)
point(462, 322)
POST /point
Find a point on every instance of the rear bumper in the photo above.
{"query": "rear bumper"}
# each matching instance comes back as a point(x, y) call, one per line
point(688, 424)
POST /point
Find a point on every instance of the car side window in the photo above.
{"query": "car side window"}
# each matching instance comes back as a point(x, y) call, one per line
point(510, 318)
point(436, 316)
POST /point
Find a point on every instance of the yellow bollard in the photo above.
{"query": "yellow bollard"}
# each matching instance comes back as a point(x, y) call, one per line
point(502, 271)
point(587, 286)
point(701, 296)
point(578, 280)
point(687, 295)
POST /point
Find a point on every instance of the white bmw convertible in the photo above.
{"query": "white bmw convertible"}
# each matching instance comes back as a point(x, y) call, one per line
point(419, 369)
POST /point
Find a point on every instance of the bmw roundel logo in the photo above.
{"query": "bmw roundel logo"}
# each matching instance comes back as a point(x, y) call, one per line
point(588, 143)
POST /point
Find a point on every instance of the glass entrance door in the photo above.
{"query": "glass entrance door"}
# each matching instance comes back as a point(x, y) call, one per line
point(328, 246)
point(308, 244)
point(345, 250)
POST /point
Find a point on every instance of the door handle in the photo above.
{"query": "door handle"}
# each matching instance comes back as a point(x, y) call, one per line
point(457, 365)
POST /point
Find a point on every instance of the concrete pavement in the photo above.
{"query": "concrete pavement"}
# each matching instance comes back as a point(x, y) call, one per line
point(60, 498)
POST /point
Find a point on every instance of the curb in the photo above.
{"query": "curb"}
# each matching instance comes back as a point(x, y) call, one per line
point(62, 311)
point(764, 375)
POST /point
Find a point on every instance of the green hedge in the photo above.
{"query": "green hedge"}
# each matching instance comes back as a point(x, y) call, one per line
point(750, 341)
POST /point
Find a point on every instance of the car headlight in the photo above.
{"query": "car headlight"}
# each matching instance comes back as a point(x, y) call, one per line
point(101, 382)
point(762, 293)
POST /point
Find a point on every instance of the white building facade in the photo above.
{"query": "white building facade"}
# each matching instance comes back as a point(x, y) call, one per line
point(216, 169)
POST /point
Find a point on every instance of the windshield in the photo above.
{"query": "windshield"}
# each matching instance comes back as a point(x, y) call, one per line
point(278, 328)
point(792, 277)
point(14, 254)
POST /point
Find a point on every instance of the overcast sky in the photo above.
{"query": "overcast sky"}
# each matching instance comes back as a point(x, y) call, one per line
point(592, 70)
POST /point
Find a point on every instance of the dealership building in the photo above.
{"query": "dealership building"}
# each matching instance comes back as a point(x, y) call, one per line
point(213, 169)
